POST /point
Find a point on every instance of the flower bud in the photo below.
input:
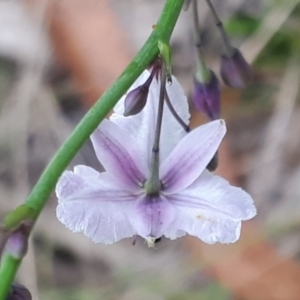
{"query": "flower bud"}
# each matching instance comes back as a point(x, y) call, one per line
point(206, 96)
point(17, 242)
point(136, 100)
point(235, 71)
point(19, 292)
point(16, 245)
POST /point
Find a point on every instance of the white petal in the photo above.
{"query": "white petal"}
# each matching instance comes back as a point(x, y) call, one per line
point(212, 210)
point(94, 206)
point(85, 171)
point(209, 230)
point(151, 216)
point(191, 156)
point(119, 155)
point(142, 125)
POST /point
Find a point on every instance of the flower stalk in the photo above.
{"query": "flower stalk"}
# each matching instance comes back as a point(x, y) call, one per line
point(175, 114)
point(43, 188)
point(203, 73)
point(206, 94)
point(153, 184)
point(226, 43)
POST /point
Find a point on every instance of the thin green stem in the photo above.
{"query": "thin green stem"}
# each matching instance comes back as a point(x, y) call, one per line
point(153, 185)
point(9, 267)
point(45, 185)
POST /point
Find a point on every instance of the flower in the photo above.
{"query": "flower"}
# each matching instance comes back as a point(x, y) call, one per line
point(112, 205)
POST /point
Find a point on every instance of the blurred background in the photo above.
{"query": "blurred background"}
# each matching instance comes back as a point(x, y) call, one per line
point(56, 59)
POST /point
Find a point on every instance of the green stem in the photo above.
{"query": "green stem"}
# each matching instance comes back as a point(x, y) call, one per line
point(45, 185)
point(8, 270)
point(98, 112)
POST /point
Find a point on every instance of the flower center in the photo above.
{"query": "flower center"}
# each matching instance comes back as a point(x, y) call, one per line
point(152, 187)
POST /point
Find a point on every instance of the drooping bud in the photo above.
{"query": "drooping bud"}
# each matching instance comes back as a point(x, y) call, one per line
point(136, 99)
point(235, 71)
point(17, 242)
point(206, 96)
point(16, 245)
point(19, 292)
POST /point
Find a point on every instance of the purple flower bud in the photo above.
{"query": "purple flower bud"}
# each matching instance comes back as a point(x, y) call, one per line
point(136, 100)
point(235, 71)
point(206, 96)
point(17, 242)
point(16, 245)
point(19, 292)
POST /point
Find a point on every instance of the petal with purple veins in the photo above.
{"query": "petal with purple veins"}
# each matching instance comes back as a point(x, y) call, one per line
point(209, 230)
point(211, 209)
point(94, 206)
point(151, 216)
point(219, 195)
point(142, 126)
point(119, 155)
point(191, 156)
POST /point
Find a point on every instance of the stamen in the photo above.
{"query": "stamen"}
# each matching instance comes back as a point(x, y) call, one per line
point(226, 43)
point(175, 115)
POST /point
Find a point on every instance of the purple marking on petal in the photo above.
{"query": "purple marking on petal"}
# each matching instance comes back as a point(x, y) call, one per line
point(151, 216)
point(142, 126)
point(95, 206)
point(119, 155)
point(215, 195)
point(210, 209)
point(191, 156)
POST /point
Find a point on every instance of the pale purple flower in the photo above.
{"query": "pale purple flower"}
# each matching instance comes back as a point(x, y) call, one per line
point(113, 205)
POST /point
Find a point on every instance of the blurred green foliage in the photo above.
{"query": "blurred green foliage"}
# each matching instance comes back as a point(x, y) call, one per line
point(284, 44)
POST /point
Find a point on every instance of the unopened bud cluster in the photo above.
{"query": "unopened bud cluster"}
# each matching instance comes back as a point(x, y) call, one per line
point(234, 70)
